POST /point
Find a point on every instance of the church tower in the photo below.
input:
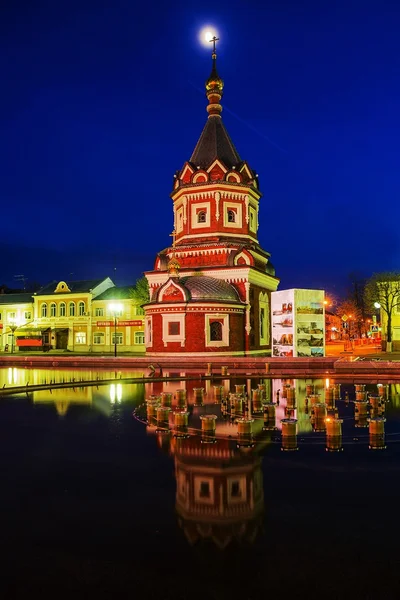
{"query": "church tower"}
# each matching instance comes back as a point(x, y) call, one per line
point(210, 291)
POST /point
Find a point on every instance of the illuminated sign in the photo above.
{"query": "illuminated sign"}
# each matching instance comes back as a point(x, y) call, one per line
point(120, 323)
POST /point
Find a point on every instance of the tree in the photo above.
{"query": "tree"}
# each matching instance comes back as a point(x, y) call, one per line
point(384, 288)
point(140, 292)
point(354, 316)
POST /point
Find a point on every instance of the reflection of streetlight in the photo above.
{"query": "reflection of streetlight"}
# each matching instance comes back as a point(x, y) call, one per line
point(115, 309)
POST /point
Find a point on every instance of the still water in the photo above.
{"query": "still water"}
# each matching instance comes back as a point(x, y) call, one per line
point(101, 496)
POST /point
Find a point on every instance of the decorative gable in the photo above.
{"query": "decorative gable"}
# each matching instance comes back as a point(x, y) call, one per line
point(246, 172)
point(217, 171)
point(187, 173)
point(171, 292)
point(61, 288)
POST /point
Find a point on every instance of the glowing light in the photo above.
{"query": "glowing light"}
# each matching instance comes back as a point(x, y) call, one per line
point(119, 392)
point(206, 35)
point(377, 305)
point(112, 393)
point(327, 383)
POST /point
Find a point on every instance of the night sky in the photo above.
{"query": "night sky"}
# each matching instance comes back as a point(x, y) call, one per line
point(103, 101)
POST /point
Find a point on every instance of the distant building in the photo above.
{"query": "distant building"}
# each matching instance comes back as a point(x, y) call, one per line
point(72, 316)
point(210, 290)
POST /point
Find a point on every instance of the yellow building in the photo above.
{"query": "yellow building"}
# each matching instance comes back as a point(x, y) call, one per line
point(77, 316)
point(15, 310)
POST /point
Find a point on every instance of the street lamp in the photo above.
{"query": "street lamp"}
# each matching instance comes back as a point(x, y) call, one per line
point(13, 326)
point(115, 309)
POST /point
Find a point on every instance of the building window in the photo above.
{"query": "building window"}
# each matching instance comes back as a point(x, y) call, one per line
point(80, 337)
point(174, 328)
point(117, 338)
point(149, 331)
point(11, 316)
point(264, 318)
point(53, 309)
point(98, 338)
point(201, 216)
point(44, 310)
point(72, 309)
point(81, 309)
point(27, 315)
point(236, 491)
point(1, 316)
point(215, 331)
point(139, 310)
point(204, 489)
point(231, 216)
point(139, 337)
point(63, 309)
point(99, 312)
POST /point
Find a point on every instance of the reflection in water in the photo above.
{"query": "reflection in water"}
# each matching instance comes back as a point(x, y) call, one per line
point(219, 489)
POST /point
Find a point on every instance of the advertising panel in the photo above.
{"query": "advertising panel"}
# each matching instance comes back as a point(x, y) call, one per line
point(282, 323)
point(310, 323)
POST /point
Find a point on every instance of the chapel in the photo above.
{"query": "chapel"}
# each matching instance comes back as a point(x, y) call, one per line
point(210, 290)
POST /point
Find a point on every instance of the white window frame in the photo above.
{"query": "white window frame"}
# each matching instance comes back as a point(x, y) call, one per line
point(199, 207)
point(119, 336)
point(53, 309)
point(263, 302)
point(62, 307)
point(27, 315)
point(137, 334)
point(81, 308)
point(173, 318)
point(253, 219)
point(180, 219)
point(43, 310)
point(73, 312)
point(198, 498)
point(101, 336)
point(80, 338)
point(241, 480)
point(99, 312)
point(225, 330)
point(237, 208)
point(148, 331)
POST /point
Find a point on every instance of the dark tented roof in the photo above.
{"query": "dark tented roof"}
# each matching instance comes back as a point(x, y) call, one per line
point(213, 143)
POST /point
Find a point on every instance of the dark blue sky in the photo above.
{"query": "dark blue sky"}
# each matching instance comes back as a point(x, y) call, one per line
point(103, 101)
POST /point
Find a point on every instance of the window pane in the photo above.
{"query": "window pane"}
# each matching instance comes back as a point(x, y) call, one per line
point(98, 338)
point(118, 337)
point(80, 337)
point(139, 337)
point(81, 308)
point(72, 309)
point(173, 328)
point(215, 331)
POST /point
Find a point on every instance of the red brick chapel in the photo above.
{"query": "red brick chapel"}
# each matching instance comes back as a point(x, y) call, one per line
point(210, 291)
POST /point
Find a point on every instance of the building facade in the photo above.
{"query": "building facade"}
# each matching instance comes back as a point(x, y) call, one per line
point(77, 316)
point(210, 291)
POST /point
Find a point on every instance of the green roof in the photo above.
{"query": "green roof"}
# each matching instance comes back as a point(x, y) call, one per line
point(21, 298)
point(116, 293)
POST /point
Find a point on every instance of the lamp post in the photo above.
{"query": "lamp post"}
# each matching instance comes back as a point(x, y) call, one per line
point(13, 327)
point(115, 309)
point(378, 316)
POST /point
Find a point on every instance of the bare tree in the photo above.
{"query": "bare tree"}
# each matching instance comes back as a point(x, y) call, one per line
point(384, 289)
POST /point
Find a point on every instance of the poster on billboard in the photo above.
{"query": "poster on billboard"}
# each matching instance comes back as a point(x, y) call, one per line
point(282, 323)
point(310, 323)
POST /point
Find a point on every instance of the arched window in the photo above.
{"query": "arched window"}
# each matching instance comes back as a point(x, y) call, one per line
point(201, 216)
point(215, 331)
point(53, 309)
point(231, 216)
point(72, 309)
point(81, 308)
point(62, 309)
point(44, 310)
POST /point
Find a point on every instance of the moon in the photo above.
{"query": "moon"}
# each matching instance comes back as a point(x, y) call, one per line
point(206, 34)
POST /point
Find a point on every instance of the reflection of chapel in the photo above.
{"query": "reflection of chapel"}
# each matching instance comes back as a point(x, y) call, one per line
point(210, 291)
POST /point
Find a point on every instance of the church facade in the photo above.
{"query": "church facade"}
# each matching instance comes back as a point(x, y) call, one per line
point(210, 291)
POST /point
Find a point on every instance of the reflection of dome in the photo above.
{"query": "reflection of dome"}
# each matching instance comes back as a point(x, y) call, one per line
point(209, 288)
